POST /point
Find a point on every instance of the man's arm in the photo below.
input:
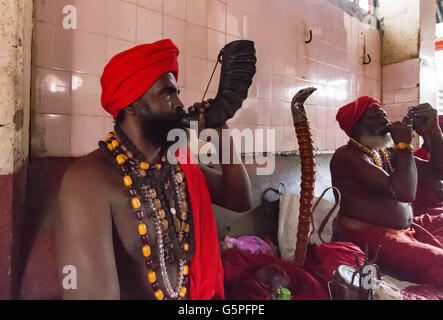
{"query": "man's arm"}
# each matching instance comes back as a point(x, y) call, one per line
point(432, 133)
point(230, 188)
point(84, 236)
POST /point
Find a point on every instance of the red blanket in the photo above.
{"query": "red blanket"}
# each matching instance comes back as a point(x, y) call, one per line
point(416, 253)
point(206, 270)
point(241, 284)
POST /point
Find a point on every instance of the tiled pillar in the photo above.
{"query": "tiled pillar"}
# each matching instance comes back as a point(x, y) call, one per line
point(15, 66)
point(408, 64)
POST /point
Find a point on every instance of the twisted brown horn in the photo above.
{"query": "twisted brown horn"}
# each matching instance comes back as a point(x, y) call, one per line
point(307, 158)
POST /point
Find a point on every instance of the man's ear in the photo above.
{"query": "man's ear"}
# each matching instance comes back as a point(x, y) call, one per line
point(131, 109)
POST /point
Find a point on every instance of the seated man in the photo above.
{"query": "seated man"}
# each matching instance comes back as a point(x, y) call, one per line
point(378, 185)
point(134, 224)
point(429, 198)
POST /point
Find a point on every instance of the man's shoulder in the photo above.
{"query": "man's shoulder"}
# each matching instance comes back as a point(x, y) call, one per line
point(92, 169)
point(343, 152)
point(347, 154)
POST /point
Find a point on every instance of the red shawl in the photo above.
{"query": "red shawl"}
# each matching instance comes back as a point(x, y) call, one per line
point(206, 270)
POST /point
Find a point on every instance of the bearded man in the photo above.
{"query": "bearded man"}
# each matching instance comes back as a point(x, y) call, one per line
point(134, 225)
point(376, 173)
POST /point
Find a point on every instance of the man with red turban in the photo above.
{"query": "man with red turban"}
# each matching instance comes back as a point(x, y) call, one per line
point(376, 173)
point(135, 220)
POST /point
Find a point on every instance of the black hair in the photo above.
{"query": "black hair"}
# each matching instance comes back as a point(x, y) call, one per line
point(120, 117)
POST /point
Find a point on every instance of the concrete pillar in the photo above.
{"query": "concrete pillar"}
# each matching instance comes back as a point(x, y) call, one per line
point(408, 55)
point(15, 75)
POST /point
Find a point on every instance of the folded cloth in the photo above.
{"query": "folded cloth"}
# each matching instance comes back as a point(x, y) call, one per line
point(415, 253)
point(241, 284)
point(334, 254)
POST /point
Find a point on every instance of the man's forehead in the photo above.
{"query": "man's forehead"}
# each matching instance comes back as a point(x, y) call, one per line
point(373, 108)
point(165, 80)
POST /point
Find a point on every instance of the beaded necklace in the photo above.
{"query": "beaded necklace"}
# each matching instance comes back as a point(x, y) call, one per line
point(163, 188)
point(374, 156)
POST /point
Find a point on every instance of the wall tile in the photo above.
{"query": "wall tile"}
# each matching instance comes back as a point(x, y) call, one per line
point(51, 11)
point(116, 46)
point(53, 47)
point(175, 8)
point(290, 88)
point(217, 15)
point(175, 29)
point(321, 117)
point(52, 91)
point(330, 139)
point(264, 112)
point(156, 5)
point(332, 63)
point(86, 131)
point(197, 12)
point(216, 41)
point(91, 15)
point(264, 85)
point(197, 40)
point(122, 17)
point(88, 52)
point(149, 26)
point(291, 142)
point(195, 73)
point(181, 70)
point(86, 94)
point(234, 22)
point(51, 135)
point(278, 88)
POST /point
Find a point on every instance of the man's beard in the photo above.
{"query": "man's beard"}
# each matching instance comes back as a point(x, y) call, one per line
point(376, 141)
point(155, 128)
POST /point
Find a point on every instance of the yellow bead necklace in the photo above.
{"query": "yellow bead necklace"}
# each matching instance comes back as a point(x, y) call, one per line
point(374, 156)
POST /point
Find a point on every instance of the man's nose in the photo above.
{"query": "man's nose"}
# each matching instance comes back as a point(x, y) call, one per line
point(178, 104)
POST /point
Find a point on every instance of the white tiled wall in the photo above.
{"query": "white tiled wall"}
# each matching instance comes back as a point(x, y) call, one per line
point(400, 88)
point(68, 118)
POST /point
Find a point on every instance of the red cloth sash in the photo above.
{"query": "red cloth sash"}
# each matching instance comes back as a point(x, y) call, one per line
point(206, 269)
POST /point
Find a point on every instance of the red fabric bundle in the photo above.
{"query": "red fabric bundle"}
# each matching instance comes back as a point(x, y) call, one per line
point(334, 254)
point(240, 281)
point(416, 253)
point(348, 115)
point(206, 270)
point(131, 73)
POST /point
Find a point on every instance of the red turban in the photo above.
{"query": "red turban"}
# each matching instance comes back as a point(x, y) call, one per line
point(131, 73)
point(348, 115)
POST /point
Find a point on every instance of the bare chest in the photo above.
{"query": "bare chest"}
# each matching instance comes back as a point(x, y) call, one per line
point(140, 245)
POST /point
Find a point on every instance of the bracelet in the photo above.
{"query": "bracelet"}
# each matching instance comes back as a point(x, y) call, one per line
point(403, 146)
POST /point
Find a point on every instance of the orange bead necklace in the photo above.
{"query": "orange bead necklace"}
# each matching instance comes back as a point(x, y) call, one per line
point(124, 157)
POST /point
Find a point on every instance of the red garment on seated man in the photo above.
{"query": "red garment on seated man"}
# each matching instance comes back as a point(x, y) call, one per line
point(416, 253)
